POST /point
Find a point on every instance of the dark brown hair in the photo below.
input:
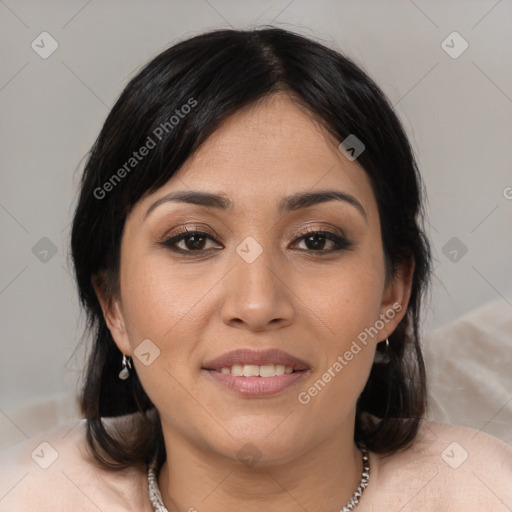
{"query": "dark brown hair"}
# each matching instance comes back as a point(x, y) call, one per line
point(224, 71)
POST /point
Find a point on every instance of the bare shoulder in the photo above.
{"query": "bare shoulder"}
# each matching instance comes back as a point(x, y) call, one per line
point(55, 471)
point(448, 466)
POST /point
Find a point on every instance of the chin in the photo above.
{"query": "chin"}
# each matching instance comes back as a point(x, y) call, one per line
point(258, 446)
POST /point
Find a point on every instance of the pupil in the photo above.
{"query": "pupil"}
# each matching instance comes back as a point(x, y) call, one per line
point(318, 244)
point(197, 244)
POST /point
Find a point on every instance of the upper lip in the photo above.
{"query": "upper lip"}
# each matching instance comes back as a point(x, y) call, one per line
point(255, 357)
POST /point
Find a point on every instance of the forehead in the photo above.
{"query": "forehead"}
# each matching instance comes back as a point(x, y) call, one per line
point(269, 150)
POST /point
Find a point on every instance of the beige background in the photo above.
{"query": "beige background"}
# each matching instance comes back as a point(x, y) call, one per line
point(458, 113)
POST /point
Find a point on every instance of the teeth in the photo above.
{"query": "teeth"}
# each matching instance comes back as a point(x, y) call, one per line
point(267, 370)
point(279, 369)
point(237, 370)
point(253, 370)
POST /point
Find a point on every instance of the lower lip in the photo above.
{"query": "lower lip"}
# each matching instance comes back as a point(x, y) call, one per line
point(256, 386)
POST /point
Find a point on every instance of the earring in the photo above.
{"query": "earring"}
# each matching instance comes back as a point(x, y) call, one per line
point(382, 357)
point(125, 372)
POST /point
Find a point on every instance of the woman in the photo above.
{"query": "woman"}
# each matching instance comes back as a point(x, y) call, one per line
point(249, 250)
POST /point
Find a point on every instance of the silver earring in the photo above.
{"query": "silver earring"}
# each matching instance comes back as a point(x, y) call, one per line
point(125, 371)
point(382, 357)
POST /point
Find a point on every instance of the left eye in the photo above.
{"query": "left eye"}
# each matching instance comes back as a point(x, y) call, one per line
point(318, 239)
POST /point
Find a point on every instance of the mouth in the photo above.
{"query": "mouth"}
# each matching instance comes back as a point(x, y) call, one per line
point(254, 370)
point(256, 373)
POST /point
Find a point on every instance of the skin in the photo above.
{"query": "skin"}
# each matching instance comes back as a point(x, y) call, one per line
point(194, 308)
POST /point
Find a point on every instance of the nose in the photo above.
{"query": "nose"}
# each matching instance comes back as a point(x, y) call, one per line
point(256, 296)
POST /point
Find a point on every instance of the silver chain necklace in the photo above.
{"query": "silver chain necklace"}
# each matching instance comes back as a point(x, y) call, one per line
point(158, 504)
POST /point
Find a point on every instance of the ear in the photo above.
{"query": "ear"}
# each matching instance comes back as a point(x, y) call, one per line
point(395, 298)
point(112, 312)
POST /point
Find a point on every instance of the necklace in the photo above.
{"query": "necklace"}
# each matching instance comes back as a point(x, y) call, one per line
point(158, 504)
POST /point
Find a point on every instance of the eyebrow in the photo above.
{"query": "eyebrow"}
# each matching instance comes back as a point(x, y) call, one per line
point(287, 204)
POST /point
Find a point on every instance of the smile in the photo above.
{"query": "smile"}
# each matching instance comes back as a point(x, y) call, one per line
point(254, 370)
point(256, 373)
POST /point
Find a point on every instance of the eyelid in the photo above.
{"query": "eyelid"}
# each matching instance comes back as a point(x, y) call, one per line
point(318, 229)
point(174, 232)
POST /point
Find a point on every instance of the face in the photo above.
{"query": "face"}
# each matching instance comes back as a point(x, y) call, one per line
point(294, 284)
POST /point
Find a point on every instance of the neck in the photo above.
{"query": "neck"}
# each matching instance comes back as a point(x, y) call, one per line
point(322, 478)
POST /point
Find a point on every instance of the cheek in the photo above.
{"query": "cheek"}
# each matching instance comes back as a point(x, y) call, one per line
point(350, 296)
point(348, 300)
point(157, 298)
point(162, 306)
point(349, 314)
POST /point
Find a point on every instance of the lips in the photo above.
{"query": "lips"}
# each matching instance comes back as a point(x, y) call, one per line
point(246, 357)
point(256, 373)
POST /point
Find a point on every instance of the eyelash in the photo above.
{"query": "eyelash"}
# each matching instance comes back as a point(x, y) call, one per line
point(185, 233)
